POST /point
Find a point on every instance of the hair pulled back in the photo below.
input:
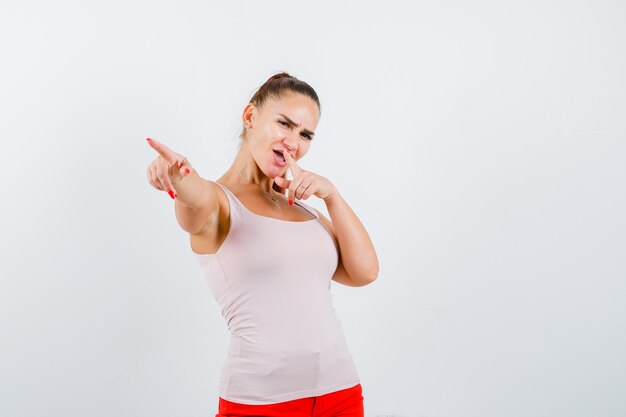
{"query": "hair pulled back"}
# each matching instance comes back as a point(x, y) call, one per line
point(276, 86)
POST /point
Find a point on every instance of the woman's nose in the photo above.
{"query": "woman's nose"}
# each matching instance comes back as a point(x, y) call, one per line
point(290, 144)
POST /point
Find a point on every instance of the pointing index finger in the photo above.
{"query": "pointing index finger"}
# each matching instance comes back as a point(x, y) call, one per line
point(293, 165)
point(163, 150)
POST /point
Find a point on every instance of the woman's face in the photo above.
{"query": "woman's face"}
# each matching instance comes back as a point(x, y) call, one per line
point(288, 123)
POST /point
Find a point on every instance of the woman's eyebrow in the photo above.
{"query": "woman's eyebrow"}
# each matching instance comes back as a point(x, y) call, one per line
point(294, 124)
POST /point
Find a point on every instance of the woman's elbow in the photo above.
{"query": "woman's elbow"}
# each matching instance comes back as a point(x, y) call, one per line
point(373, 274)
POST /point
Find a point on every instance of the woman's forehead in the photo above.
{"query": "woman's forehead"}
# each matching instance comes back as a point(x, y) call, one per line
point(297, 107)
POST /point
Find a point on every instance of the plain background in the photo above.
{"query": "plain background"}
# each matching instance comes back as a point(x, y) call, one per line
point(481, 143)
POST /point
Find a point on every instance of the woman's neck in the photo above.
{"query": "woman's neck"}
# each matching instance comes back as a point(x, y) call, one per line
point(245, 172)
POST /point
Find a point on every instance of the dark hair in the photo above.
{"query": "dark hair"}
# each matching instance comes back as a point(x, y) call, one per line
point(276, 86)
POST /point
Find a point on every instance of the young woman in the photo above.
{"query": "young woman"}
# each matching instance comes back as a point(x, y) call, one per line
point(269, 262)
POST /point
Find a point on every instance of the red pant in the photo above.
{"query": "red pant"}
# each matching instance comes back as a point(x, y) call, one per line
point(344, 403)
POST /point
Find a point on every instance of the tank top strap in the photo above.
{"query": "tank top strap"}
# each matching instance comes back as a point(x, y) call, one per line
point(237, 209)
point(307, 208)
point(234, 201)
point(226, 190)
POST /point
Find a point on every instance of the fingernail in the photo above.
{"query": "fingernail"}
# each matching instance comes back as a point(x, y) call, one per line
point(148, 139)
point(171, 193)
point(291, 202)
point(188, 171)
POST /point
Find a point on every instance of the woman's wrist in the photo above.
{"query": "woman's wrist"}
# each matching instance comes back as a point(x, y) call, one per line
point(178, 178)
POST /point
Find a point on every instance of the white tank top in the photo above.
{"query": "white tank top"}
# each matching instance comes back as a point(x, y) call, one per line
point(271, 279)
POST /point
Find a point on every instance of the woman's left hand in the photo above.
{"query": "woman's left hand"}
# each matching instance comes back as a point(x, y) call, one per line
point(304, 183)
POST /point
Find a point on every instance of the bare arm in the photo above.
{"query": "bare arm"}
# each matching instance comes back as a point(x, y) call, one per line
point(196, 201)
point(358, 264)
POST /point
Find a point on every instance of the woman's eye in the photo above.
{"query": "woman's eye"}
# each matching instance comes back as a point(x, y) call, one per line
point(287, 125)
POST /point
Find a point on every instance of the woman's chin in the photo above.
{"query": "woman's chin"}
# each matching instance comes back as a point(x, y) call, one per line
point(272, 171)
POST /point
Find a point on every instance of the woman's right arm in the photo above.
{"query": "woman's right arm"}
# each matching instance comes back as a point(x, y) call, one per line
point(196, 201)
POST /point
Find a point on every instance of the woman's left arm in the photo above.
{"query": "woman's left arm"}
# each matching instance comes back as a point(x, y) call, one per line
point(358, 263)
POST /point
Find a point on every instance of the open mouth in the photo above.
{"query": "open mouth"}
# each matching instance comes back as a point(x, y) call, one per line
point(279, 155)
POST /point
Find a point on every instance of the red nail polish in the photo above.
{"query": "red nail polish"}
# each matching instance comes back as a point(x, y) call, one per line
point(171, 193)
point(291, 202)
point(188, 171)
point(148, 139)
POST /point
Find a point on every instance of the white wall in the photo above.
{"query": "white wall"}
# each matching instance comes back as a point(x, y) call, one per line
point(481, 144)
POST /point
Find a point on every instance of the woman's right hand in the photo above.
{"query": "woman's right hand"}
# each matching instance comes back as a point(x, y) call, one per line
point(167, 167)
